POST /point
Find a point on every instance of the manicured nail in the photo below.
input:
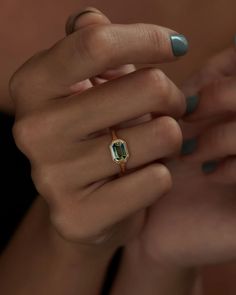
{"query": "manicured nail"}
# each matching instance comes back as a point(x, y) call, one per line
point(179, 45)
point(209, 167)
point(71, 22)
point(192, 103)
point(189, 146)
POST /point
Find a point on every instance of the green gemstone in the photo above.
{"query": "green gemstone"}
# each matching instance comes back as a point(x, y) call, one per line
point(119, 150)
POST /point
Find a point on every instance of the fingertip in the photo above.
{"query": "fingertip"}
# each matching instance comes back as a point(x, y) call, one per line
point(192, 104)
point(210, 167)
point(189, 146)
point(180, 44)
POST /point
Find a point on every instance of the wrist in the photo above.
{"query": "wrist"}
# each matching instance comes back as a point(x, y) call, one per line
point(170, 278)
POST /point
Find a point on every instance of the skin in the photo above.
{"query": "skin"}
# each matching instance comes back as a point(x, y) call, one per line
point(95, 226)
point(220, 42)
point(190, 219)
point(50, 165)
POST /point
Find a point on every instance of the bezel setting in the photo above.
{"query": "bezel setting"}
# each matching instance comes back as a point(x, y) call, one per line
point(119, 151)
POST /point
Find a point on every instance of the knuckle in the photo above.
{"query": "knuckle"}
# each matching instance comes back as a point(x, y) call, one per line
point(74, 224)
point(63, 223)
point(161, 175)
point(173, 131)
point(155, 78)
point(158, 85)
point(32, 131)
point(163, 95)
point(97, 43)
point(16, 85)
point(65, 226)
point(47, 184)
point(162, 84)
point(24, 133)
point(170, 132)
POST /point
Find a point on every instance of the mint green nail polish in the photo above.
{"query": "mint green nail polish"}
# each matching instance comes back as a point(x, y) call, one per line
point(209, 167)
point(189, 146)
point(179, 45)
point(192, 103)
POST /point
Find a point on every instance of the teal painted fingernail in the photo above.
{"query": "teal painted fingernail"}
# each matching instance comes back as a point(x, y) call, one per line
point(179, 45)
point(209, 167)
point(189, 146)
point(192, 103)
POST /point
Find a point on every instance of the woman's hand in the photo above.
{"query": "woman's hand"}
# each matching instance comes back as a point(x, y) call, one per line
point(195, 223)
point(62, 121)
point(216, 144)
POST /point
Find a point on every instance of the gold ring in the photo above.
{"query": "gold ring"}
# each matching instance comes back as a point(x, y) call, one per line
point(119, 151)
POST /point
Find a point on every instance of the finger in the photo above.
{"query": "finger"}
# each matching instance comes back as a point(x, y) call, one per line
point(129, 194)
point(78, 118)
point(88, 17)
point(219, 66)
point(129, 97)
point(224, 171)
point(216, 99)
point(216, 143)
point(70, 121)
point(85, 18)
point(146, 143)
point(90, 52)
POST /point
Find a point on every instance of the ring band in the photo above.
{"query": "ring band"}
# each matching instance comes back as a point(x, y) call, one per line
point(119, 151)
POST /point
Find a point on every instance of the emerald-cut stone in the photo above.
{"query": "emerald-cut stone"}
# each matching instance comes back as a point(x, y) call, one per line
point(119, 150)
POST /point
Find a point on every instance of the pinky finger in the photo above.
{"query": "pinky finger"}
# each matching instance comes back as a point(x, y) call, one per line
point(130, 193)
point(97, 213)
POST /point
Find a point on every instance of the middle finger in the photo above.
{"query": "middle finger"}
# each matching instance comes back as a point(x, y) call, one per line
point(117, 101)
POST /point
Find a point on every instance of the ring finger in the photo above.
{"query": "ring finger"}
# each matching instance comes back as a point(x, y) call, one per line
point(146, 143)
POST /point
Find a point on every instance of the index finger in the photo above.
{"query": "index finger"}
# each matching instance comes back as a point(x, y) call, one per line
point(92, 51)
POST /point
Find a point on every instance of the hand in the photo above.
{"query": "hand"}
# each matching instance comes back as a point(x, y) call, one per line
point(62, 121)
point(195, 223)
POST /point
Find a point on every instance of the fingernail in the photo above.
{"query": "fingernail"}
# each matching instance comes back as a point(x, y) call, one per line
point(209, 167)
point(179, 44)
point(235, 40)
point(192, 103)
point(189, 146)
point(71, 22)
